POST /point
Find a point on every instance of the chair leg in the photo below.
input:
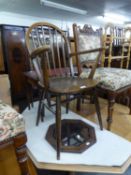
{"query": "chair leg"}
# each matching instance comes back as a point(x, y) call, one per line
point(111, 102)
point(78, 104)
point(48, 97)
point(129, 101)
point(67, 103)
point(58, 125)
point(42, 112)
point(96, 101)
point(29, 95)
point(20, 148)
point(42, 96)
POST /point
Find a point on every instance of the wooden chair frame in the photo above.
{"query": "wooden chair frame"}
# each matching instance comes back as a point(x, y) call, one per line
point(18, 143)
point(59, 85)
point(119, 39)
point(110, 94)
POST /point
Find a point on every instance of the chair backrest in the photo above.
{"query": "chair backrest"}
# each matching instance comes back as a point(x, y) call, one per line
point(126, 48)
point(87, 38)
point(117, 44)
point(49, 50)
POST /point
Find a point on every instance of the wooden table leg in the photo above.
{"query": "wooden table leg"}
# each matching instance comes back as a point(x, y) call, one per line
point(58, 125)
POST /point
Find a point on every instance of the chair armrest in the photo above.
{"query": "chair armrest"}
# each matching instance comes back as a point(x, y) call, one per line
point(38, 51)
point(31, 75)
point(86, 51)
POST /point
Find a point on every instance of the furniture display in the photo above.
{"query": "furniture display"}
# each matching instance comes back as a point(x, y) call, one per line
point(12, 142)
point(50, 54)
point(15, 58)
point(112, 81)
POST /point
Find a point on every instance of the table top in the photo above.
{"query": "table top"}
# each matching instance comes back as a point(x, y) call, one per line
point(110, 154)
point(80, 168)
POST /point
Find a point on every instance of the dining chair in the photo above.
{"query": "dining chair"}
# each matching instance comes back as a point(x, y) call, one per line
point(12, 142)
point(112, 81)
point(51, 58)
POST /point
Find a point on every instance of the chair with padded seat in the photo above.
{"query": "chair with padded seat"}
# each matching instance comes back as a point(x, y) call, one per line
point(13, 152)
point(50, 55)
point(112, 80)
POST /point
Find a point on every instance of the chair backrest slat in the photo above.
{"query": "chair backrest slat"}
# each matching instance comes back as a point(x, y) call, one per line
point(63, 53)
point(52, 51)
point(55, 60)
point(44, 43)
point(58, 50)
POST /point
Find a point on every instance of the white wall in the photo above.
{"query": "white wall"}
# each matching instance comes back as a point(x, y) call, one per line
point(23, 20)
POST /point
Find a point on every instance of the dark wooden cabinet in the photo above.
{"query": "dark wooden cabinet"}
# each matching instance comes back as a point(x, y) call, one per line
point(2, 67)
point(16, 59)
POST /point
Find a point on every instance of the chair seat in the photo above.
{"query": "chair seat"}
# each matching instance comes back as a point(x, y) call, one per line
point(110, 78)
point(11, 122)
point(67, 85)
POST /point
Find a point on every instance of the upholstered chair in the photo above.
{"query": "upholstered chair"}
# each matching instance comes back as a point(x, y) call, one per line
point(112, 81)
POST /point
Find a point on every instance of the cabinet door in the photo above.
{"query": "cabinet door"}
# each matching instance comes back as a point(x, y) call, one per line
point(17, 59)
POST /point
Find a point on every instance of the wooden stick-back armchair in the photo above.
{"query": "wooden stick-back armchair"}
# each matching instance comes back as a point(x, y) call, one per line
point(50, 54)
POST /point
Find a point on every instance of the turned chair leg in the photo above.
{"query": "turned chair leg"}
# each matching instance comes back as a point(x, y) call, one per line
point(129, 92)
point(111, 102)
point(20, 148)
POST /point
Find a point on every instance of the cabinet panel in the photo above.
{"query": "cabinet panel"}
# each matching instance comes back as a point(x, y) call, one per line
point(16, 57)
point(2, 67)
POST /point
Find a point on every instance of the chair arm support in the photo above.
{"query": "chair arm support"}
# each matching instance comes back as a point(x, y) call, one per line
point(39, 51)
point(86, 51)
